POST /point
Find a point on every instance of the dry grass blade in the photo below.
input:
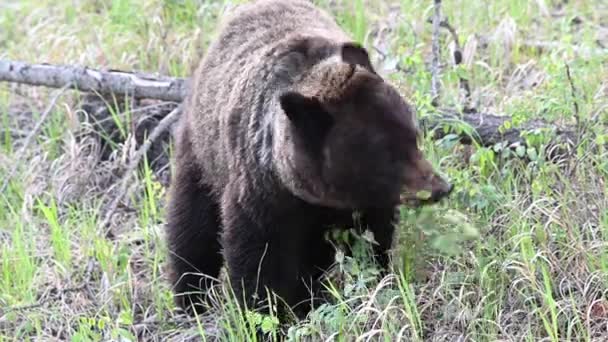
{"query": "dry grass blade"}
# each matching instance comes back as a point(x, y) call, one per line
point(58, 294)
point(163, 125)
point(574, 97)
point(33, 133)
point(537, 270)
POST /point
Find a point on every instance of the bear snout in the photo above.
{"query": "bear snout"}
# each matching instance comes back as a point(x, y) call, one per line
point(441, 191)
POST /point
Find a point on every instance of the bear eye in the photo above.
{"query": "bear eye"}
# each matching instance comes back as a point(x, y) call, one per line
point(428, 177)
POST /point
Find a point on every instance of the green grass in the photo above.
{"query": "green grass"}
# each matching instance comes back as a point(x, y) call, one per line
point(519, 252)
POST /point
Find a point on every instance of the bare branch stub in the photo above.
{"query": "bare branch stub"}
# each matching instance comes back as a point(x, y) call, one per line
point(463, 82)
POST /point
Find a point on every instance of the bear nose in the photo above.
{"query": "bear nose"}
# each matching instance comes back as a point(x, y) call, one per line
point(442, 192)
point(450, 188)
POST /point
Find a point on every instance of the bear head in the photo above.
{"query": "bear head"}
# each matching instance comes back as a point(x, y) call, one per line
point(351, 140)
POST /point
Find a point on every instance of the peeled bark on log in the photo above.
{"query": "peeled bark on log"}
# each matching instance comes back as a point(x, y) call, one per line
point(486, 126)
point(90, 80)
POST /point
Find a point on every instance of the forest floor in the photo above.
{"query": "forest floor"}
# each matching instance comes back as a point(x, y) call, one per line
point(518, 252)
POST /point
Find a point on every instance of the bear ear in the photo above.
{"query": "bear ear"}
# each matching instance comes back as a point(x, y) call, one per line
point(354, 54)
point(300, 108)
point(306, 113)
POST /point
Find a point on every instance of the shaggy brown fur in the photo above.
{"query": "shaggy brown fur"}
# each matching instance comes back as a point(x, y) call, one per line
point(287, 131)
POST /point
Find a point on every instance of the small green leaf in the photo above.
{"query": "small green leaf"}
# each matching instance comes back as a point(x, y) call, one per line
point(469, 231)
point(269, 323)
point(348, 289)
point(445, 244)
point(520, 151)
point(125, 318)
point(254, 317)
point(369, 237)
point(532, 154)
point(541, 235)
point(462, 72)
point(339, 257)
point(126, 334)
point(423, 195)
point(101, 324)
point(475, 158)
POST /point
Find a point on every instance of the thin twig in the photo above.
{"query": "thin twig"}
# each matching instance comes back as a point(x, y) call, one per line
point(162, 126)
point(463, 82)
point(574, 96)
point(435, 91)
point(581, 127)
point(33, 133)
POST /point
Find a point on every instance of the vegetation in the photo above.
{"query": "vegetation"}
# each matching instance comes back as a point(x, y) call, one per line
point(519, 252)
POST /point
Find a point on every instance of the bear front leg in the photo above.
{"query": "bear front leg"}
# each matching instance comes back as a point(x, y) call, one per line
point(262, 252)
point(193, 227)
point(382, 223)
point(193, 242)
point(318, 259)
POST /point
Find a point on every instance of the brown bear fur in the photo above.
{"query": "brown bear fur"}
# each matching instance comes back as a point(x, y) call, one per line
point(286, 131)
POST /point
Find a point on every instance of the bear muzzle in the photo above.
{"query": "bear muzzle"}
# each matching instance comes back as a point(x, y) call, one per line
point(437, 189)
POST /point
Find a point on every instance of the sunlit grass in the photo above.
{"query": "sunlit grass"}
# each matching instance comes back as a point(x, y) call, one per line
point(518, 252)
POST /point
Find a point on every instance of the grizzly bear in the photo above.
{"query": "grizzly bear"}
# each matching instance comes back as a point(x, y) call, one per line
point(286, 131)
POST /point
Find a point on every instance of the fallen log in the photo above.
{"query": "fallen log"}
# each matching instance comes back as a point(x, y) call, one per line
point(96, 81)
point(490, 129)
point(485, 129)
